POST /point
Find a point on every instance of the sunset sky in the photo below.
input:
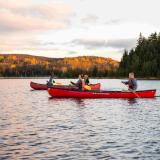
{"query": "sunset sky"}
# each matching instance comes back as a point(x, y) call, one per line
point(69, 28)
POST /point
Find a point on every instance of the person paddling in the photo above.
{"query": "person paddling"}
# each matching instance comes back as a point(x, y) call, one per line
point(51, 81)
point(79, 83)
point(132, 82)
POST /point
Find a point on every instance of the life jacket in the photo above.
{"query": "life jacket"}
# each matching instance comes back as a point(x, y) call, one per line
point(86, 87)
point(131, 84)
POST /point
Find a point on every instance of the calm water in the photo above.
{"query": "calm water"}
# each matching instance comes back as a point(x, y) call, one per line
point(32, 126)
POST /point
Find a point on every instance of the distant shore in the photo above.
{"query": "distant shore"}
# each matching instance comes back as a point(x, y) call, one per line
point(150, 78)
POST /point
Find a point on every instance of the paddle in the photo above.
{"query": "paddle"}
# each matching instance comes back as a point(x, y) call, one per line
point(57, 83)
point(134, 92)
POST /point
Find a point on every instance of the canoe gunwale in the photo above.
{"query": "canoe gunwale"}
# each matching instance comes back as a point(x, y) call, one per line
point(64, 93)
point(101, 91)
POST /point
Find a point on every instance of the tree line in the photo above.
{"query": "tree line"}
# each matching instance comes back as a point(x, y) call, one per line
point(33, 66)
point(144, 59)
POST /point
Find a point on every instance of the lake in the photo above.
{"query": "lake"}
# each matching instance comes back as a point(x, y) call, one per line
point(33, 126)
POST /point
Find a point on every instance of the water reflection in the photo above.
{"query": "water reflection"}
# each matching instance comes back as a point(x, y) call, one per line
point(132, 101)
point(79, 102)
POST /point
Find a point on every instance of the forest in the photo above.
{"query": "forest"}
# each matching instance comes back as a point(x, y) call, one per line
point(144, 59)
point(34, 66)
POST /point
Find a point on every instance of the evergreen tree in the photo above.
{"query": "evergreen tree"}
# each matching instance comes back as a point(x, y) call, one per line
point(144, 60)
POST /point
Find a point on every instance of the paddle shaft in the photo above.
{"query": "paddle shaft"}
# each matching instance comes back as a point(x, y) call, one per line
point(133, 92)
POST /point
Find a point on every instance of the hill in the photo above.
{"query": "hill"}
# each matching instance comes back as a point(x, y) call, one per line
point(26, 65)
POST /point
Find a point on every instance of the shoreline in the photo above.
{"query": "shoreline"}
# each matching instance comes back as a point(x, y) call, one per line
point(150, 78)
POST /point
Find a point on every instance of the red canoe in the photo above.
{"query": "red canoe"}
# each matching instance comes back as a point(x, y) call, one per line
point(38, 86)
point(64, 93)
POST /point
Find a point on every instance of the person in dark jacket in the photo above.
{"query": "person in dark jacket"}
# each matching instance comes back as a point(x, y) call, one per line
point(79, 82)
point(132, 82)
point(51, 81)
point(86, 80)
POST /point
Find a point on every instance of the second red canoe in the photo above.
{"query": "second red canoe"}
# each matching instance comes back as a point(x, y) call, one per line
point(38, 86)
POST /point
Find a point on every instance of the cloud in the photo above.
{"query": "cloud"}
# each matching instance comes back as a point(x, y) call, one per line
point(90, 19)
point(116, 43)
point(89, 43)
point(122, 43)
point(69, 27)
point(114, 21)
point(28, 16)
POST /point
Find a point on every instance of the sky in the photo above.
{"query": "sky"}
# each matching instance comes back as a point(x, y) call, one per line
point(69, 28)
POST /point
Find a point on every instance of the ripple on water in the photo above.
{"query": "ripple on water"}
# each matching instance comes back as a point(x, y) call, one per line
point(33, 126)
